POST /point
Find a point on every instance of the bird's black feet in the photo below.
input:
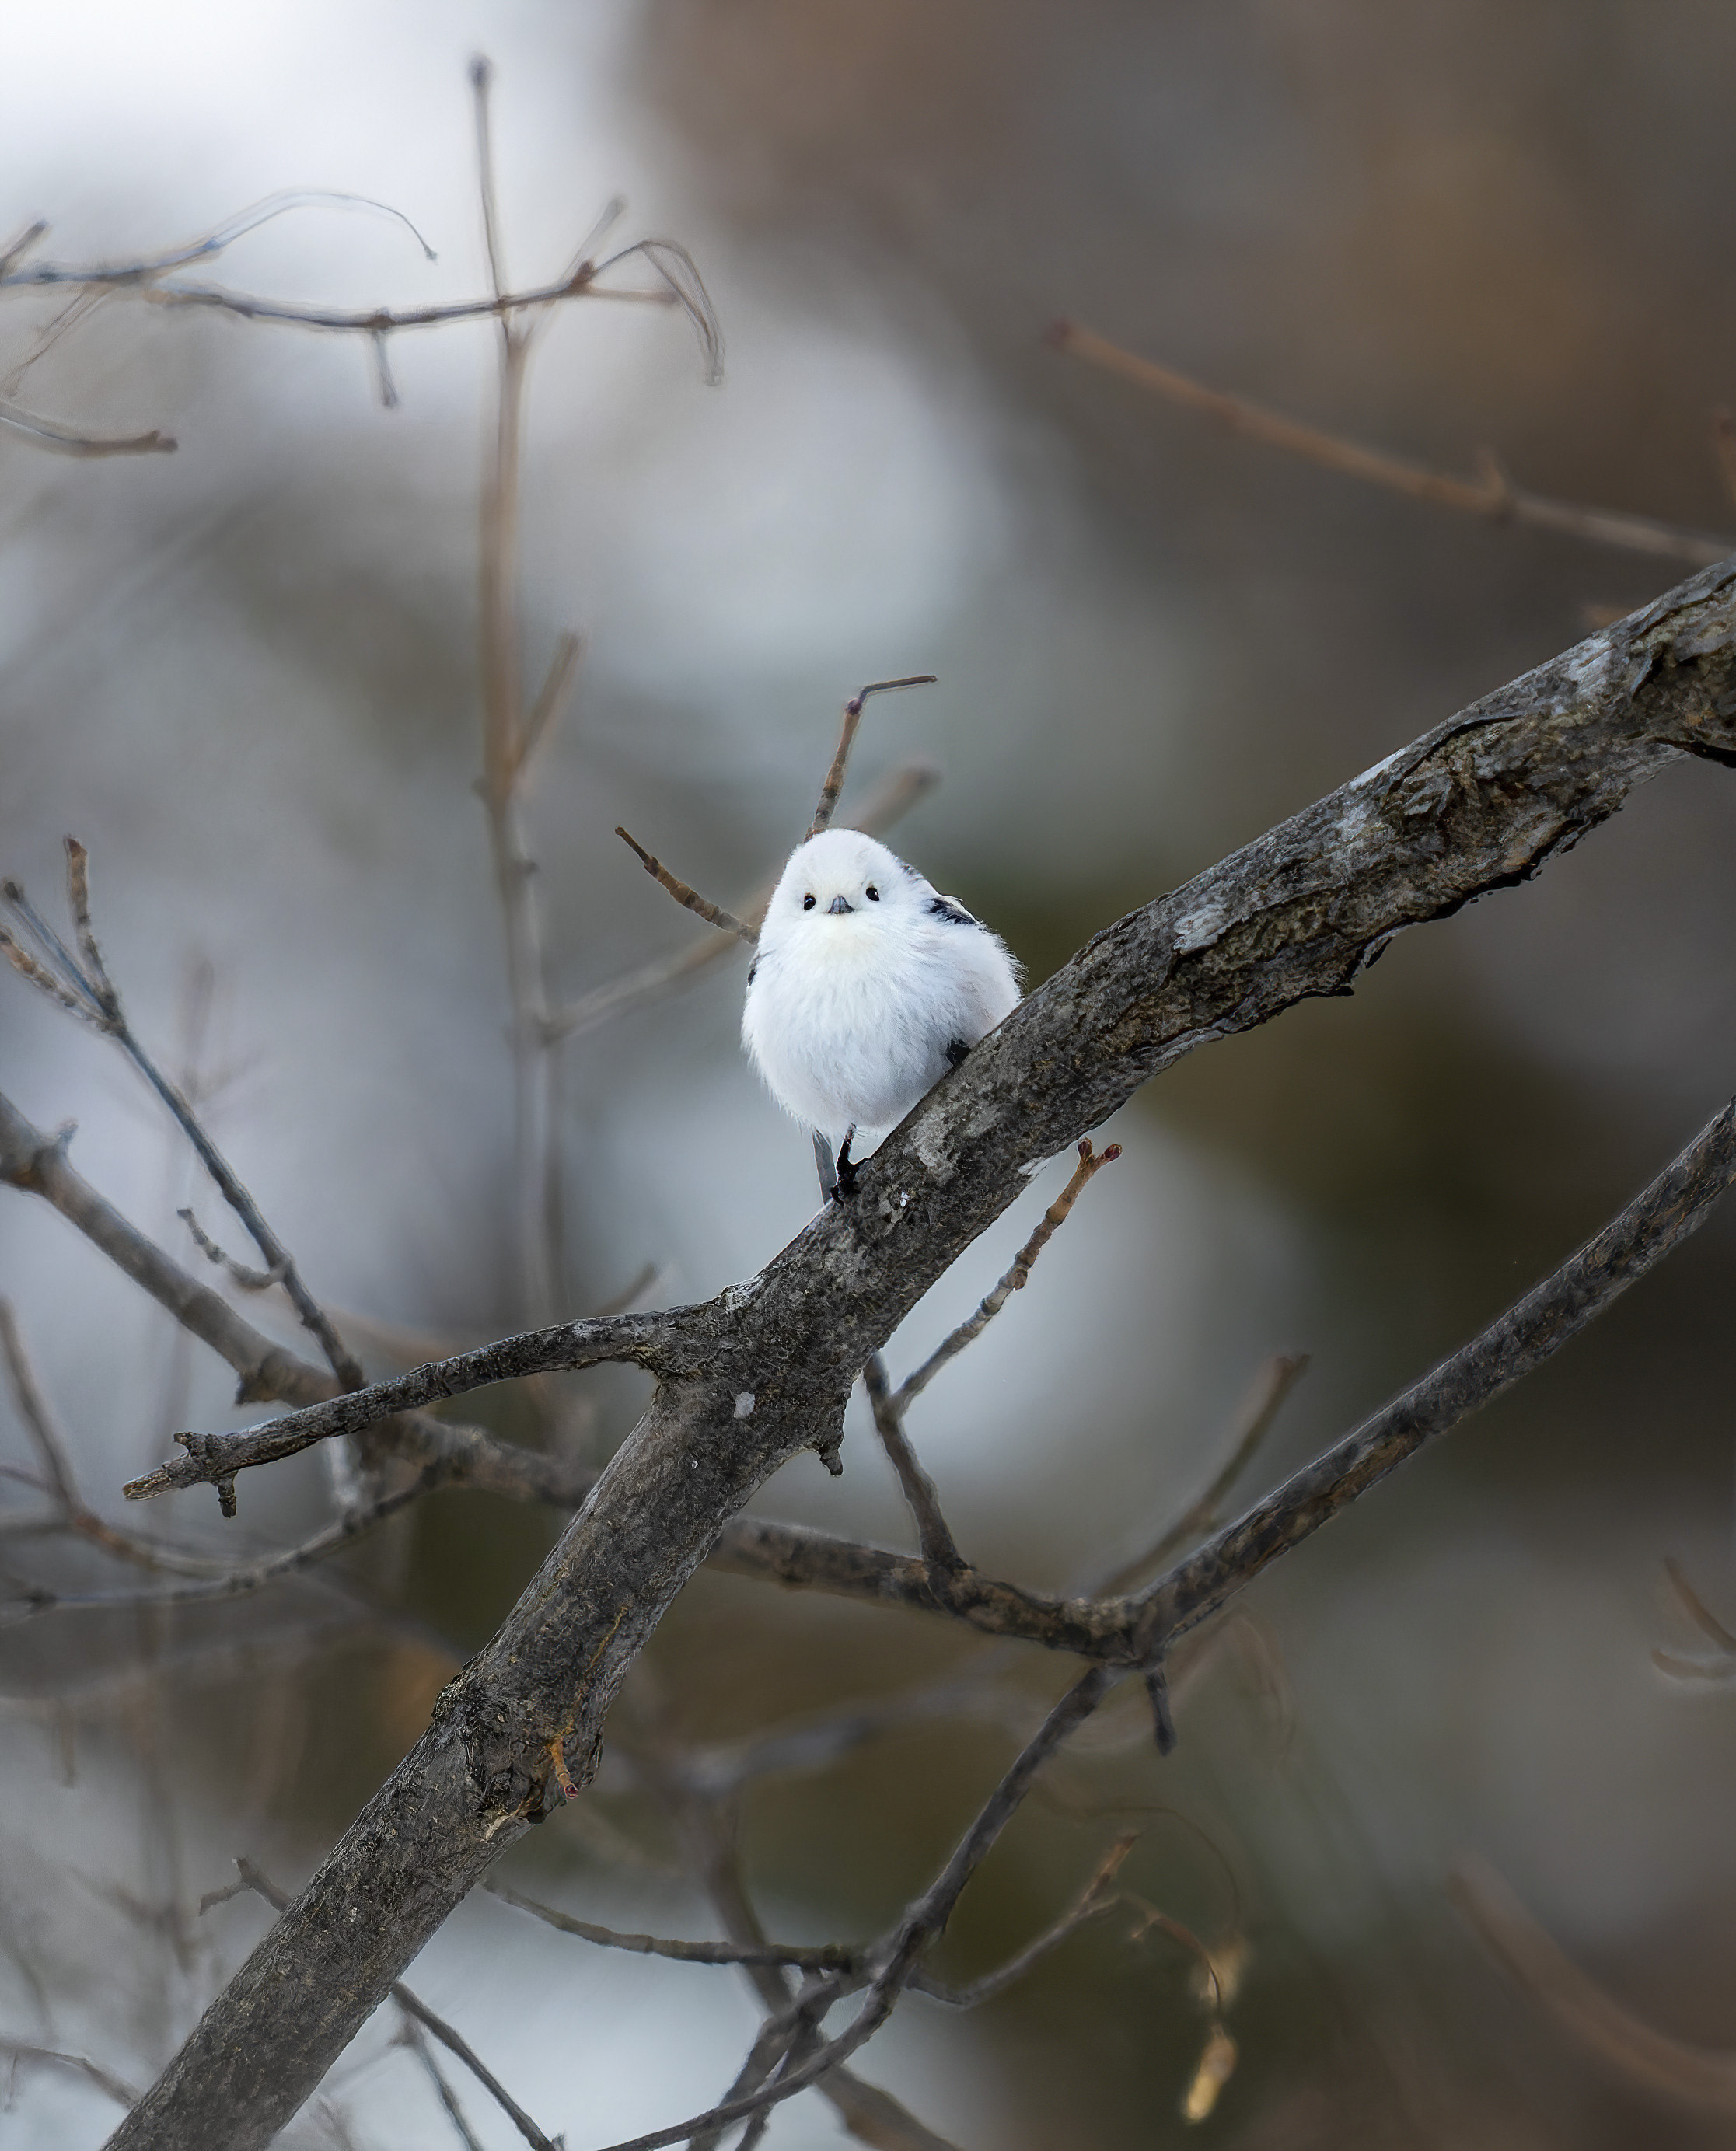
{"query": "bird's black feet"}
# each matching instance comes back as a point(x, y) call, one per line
point(845, 1185)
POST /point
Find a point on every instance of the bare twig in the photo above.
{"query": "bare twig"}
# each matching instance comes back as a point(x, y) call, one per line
point(1698, 1611)
point(69, 441)
point(1271, 1386)
point(1090, 1163)
point(252, 1878)
point(1663, 1215)
point(33, 1410)
point(1094, 1901)
point(713, 915)
point(938, 1546)
point(824, 1956)
point(536, 1073)
point(645, 1339)
point(901, 1953)
point(834, 781)
point(88, 981)
point(1493, 496)
point(698, 1807)
point(649, 981)
point(238, 1273)
point(121, 2092)
point(416, 2040)
point(1699, 2077)
point(1720, 1668)
point(551, 697)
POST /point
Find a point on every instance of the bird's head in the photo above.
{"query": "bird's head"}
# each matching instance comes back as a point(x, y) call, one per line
point(839, 877)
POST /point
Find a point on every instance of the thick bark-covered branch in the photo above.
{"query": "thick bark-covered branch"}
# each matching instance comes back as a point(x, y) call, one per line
point(1478, 805)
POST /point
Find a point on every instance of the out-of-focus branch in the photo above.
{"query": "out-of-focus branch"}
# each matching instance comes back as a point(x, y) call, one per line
point(699, 1809)
point(1700, 2078)
point(19, 2050)
point(1254, 1422)
point(85, 989)
point(69, 441)
point(1493, 495)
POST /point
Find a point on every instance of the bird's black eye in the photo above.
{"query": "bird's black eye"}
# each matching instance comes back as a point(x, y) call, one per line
point(807, 903)
point(873, 894)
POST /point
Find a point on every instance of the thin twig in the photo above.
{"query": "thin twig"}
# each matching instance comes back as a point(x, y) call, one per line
point(834, 780)
point(924, 1920)
point(120, 2092)
point(824, 1956)
point(713, 915)
point(644, 1339)
point(1664, 1213)
point(1253, 1422)
point(209, 1581)
point(33, 1410)
point(89, 979)
point(1090, 1163)
point(1093, 1901)
point(649, 982)
point(551, 697)
point(252, 1878)
point(69, 441)
point(938, 1546)
point(248, 1280)
point(1493, 497)
point(416, 2040)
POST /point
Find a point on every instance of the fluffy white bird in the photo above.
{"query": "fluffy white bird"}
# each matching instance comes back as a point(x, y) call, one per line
point(866, 987)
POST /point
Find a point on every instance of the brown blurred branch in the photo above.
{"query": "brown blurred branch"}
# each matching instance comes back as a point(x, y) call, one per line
point(1273, 1385)
point(1702, 2078)
point(1493, 495)
point(67, 441)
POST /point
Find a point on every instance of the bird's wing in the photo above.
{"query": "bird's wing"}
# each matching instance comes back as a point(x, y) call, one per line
point(949, 908)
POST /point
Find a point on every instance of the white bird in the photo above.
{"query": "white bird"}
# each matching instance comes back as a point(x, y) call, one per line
point(868, 986)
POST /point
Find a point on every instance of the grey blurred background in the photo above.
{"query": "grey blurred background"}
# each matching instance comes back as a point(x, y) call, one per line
point(245, 676)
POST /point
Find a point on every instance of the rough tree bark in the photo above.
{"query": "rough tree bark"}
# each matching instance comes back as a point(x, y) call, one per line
point(764, 1371)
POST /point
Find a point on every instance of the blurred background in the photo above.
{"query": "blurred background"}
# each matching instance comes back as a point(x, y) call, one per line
point(246, 676)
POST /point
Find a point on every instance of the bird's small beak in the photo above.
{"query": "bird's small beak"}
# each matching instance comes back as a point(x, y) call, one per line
point(838, 907)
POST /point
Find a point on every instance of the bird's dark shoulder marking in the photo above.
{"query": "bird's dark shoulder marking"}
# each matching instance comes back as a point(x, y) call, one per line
point(956, 1051)
point(942, 907)
point(753, 971)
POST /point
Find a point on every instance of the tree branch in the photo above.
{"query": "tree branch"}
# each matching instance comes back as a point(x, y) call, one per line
point(1493, 496)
